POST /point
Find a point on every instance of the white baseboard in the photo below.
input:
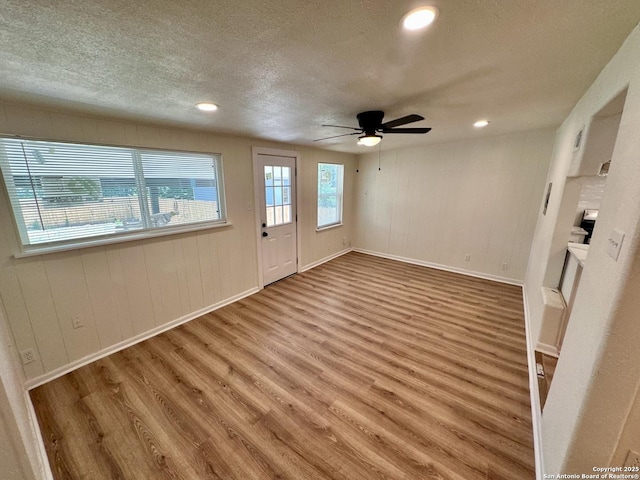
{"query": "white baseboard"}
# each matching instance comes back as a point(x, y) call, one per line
point(550, 350)
point(44, 467)
point(58, 372)
point(536, 409)
point(325, 259)
point(438, 266)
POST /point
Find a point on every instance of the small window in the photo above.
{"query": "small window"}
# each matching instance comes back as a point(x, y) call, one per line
point(329, 194)
point(71, 193)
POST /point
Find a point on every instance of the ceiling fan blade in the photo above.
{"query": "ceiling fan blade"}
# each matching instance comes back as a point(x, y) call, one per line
point(341, 126)
point(402, 121)
point(406, 130)
point(336, 136)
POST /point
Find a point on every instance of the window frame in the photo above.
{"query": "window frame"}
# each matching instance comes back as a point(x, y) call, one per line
point(339, 197)
point(120, 237)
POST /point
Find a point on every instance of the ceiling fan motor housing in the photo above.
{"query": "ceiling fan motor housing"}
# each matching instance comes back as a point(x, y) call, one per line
point(370, 121)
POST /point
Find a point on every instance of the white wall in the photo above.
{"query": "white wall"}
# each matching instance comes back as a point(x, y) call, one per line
point(592, 395)
point(19, 454)
point(126, 289)
point(435, 204)
point(630, 438)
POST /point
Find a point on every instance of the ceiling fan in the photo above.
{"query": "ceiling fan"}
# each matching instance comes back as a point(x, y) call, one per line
point(371, 125)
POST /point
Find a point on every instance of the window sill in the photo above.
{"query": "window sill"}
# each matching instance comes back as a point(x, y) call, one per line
point(329, 227)
point(34, 250)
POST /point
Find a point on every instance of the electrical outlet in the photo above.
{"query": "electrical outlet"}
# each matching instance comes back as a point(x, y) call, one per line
point(633, 459)
point(505, 266)
point(467, 257)
point(77, 322)
point(28, 355)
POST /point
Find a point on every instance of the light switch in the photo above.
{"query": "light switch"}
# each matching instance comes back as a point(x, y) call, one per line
point(615, 243)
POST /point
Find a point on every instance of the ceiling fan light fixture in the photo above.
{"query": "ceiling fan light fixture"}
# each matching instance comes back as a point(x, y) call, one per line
point(369, 140)
point(481, 123)
point(370, 123)
point(207, 106)
point(419, 18)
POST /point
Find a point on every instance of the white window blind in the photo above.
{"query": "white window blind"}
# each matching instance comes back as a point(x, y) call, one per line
point(330, 178)
point(64, 192)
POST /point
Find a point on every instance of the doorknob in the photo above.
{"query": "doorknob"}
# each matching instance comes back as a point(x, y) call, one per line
point(264, 225)
point(265, 234)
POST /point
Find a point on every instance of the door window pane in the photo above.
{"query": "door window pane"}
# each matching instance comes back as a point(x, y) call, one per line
point(269, 196)
point(277, 196)
point(268, 176)
point(271, 217)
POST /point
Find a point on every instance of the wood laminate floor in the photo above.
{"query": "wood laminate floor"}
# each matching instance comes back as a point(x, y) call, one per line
point(362, 368)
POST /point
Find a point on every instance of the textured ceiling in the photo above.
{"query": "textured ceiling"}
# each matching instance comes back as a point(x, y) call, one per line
point(279, 69)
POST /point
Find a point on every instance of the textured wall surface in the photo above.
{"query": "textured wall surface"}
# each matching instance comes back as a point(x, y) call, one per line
point(438, 203)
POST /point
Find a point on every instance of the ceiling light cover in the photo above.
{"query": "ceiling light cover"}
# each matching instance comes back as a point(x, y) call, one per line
point(481, 123)
point(207, 106)
point(369, 140)
point(419, 18)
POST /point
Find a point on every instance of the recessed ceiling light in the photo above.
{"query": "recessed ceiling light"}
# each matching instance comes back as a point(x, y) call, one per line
point(207, 106)
point(481, 123)
point(419, 18)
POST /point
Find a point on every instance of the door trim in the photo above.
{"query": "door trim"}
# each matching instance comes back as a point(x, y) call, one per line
point(255, 151)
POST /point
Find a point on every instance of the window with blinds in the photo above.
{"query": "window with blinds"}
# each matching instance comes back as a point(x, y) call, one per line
point(67, 192)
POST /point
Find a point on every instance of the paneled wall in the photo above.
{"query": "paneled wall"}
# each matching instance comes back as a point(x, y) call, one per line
point(319, 245)
point(124, 290)
point(440, 203)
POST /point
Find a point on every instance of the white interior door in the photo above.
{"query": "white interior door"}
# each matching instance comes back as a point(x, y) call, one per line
point(275, 178)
